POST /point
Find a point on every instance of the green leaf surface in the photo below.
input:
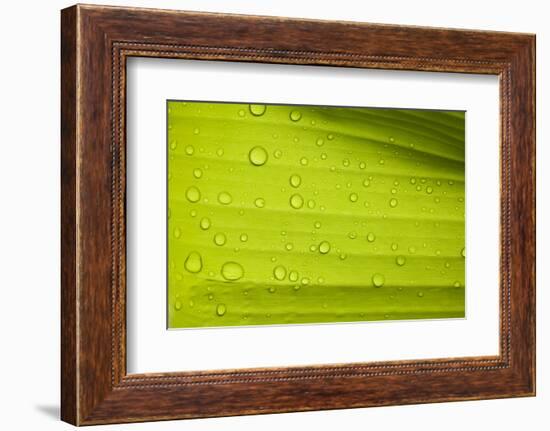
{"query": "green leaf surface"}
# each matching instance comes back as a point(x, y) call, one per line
point(283, 214)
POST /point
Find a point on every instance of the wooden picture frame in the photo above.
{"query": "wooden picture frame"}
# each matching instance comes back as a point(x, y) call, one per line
point(96, 41)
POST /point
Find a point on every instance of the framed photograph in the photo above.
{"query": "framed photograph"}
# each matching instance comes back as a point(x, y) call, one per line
point(264, 215)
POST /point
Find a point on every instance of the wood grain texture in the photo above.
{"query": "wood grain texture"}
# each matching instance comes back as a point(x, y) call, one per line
point(96, 41)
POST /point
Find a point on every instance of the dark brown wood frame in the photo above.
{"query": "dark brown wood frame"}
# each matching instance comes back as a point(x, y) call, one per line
point(95, 43)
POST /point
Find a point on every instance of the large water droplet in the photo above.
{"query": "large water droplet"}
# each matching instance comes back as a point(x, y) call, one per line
point(205, 223)
point(224, 198)
point(324, 247)
point(193, 263)
point(232, 271)
point(295, 180)
point(378, 280)
point(193, 194)
point(257, 110)
point(220, 239)
point(258, 156)
point(296, 201)
point(279, 272)
point(221, 309)
point(295, 115)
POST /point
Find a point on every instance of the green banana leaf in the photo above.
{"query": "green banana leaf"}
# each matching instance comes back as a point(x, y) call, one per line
point(281, 214)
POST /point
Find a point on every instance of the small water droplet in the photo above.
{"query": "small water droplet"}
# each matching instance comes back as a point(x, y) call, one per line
point(193, 213)
point(371, 237)
point(412, 249)
point(196, 131)
point(296, 201)
point(393, 202)
point(193, 263)
point(225, 198)
point(259, 202)
point(258, 156)
point(289, 246)
point(177, 305)
point(241, 113)
point(320, 142)
point(463, 252)
point(311, 204)
point(244, 237)
point(295, 180)
point(304, 161)
point(295, 115)
point(177, 232)
point(197, 173)
point(429, 190)
point(221, 309)
point(293, 276)
point(193, 194)
point(271, 289)
point(277, 154)
point(381, 161)
point(352, 235)
point(392, 139)
point(366, 183)
point(317, 225)
point(378, 280)
point(394, 246)
point(420, 294)
point(173, 145)
point(232, 271)
point(257, 110)
point(205, 223)
point(345, 162)
point(305, 281)
point(400, 260)
point(456, 284)
point(279, 272)
point(353, 197)
point(220, 239)
point(330, 136)
point(323, 156)
point(324, 247)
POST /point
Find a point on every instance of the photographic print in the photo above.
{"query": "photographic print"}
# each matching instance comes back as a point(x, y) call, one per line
point(291, 214)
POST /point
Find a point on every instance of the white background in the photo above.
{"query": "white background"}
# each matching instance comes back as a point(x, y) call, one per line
point(29, 228)
point(151, 348)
